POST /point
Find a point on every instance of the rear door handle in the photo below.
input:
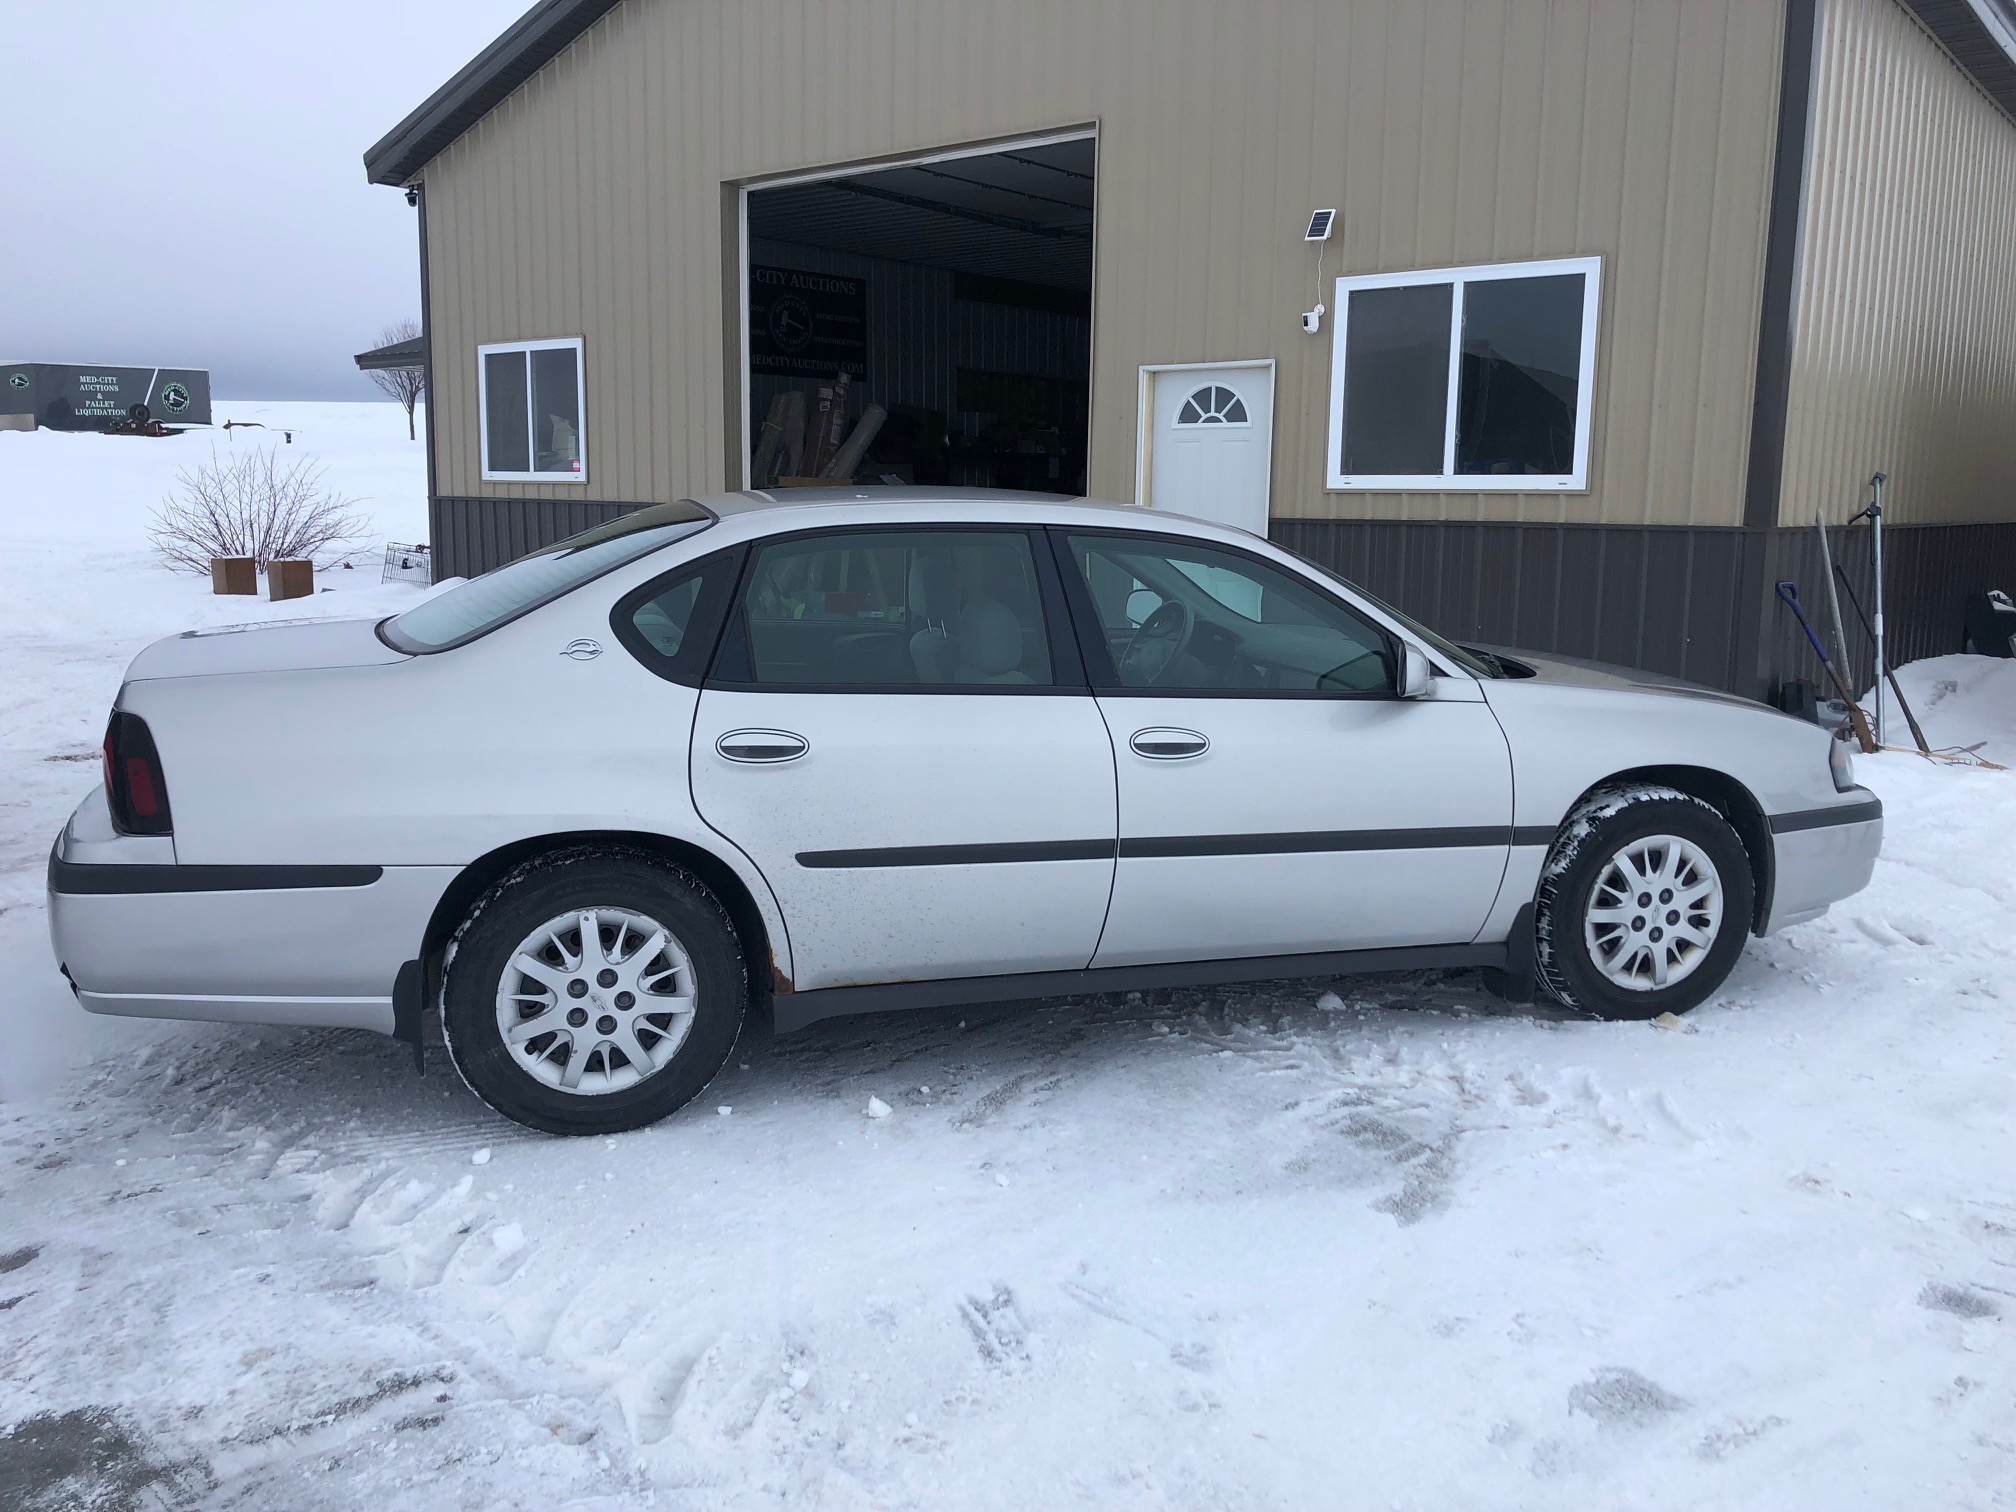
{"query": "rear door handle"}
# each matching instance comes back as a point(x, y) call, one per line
point(1163, 744)
point(762, 747)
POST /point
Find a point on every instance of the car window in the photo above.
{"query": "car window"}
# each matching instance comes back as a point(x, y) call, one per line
point(1184, 617)
point(477, 607)
point(671, 624)
point(1457, 656)
point(897, 609)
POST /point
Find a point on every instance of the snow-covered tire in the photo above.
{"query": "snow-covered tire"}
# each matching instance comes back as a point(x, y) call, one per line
point(524, 993)
point(1666, 942)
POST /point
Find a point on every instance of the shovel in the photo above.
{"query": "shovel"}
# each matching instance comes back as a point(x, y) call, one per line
point(1789, 592)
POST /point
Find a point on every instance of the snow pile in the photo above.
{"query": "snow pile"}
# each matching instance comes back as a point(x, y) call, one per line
point(1960, 701)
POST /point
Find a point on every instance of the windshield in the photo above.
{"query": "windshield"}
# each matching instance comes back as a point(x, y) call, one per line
point(482, 604)
point(1469, 661)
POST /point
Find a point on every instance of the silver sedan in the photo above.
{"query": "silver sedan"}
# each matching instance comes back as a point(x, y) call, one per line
point(844, 751)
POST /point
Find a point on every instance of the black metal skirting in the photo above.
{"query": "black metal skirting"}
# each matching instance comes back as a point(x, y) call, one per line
point(1668, 599)
point(475, 535)
point(1661, 598)
point(1928, 573)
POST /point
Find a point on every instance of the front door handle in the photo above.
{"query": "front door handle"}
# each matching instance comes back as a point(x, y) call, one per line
point(762, 747)
point(1164, 744)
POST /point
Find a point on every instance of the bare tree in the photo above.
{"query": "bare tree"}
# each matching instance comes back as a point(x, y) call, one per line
point(251, 505)
point(404, 384)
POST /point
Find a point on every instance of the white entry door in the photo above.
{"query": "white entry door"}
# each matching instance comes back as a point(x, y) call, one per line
point(1211, 441)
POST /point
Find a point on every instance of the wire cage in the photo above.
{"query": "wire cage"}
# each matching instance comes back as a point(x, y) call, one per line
point(407, 564)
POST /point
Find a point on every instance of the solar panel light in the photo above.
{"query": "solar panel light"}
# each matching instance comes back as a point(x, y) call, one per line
point(1320, 223)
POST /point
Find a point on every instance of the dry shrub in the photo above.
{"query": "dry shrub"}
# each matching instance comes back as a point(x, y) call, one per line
point(252, 505)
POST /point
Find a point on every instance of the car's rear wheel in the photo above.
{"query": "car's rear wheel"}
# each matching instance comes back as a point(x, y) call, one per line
point(1644, 904)
point(592, 991)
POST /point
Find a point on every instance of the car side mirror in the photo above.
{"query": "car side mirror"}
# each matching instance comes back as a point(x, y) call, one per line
point(1416, 677)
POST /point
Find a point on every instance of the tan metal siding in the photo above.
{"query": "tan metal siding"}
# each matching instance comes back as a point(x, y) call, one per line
point(1447, 131)
point(1904, 357)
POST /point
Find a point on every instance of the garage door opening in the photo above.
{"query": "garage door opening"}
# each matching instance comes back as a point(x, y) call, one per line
point(926, 323)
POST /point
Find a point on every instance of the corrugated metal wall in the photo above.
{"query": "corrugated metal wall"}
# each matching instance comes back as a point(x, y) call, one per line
point(1928, 573)
point(474, 535)
point(1904, 356)
point(1446, 131)
point(1660, 597)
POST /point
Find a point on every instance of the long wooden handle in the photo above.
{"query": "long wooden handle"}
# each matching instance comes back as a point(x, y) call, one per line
point(1909, 718)
point(1788, 594)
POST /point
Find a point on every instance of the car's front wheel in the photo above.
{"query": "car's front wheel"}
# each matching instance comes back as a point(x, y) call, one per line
point(1644, 904)
point(592, 991)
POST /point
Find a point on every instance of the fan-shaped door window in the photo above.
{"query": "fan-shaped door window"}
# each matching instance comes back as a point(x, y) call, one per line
point(1213, 404)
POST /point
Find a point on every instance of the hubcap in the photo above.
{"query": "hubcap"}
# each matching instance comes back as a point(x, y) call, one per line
point(596, 1000)
point(1654, 913)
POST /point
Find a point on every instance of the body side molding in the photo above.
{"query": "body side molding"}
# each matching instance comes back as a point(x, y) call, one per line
point(148, 877)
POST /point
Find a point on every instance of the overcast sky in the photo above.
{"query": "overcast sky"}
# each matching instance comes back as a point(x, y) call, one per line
point(184, 184)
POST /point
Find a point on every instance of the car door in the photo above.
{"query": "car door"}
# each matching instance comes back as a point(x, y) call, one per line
point(898, 732)
point(1276, 796)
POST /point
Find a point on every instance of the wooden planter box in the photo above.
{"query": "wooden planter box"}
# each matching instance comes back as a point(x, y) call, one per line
point(234, 575)
point(289, 580)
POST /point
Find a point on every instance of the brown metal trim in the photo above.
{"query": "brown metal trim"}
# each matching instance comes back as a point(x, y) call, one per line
point(1772, 391)
point(427, 376)
point(734, 312)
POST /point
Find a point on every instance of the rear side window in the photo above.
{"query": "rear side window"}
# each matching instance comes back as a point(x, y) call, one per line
point(672, 623)
point(897, 609)
point(477, 607)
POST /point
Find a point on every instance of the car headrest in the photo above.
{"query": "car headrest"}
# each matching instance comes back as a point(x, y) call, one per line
point(990, 637)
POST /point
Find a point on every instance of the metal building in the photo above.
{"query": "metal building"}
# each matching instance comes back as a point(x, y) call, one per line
point(1616, 292)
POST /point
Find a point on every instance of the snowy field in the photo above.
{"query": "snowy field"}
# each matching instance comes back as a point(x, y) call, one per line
point(1363, 1244)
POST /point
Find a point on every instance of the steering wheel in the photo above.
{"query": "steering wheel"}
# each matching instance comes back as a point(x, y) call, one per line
point(1157, 645)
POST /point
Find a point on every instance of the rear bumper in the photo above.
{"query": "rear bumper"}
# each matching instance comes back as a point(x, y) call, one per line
point(1822, 857)
point(256, 945)
point(374, 1013)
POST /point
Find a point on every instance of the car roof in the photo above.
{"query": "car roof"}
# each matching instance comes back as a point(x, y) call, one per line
point(851, 503)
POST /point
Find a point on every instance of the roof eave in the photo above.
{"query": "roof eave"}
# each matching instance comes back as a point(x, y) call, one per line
point(527, 45)
point(411, 353)
point(1979, 38)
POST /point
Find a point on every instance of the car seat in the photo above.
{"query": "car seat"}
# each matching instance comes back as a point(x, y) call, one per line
point(990, 644)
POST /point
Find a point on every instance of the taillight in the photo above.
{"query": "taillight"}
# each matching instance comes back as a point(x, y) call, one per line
point(134, 785)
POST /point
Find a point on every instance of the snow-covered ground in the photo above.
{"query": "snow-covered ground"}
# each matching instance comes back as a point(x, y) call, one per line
point(81, 591)
point(1390, 1247)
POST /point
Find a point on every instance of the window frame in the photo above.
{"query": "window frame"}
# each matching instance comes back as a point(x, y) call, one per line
point(1215, 419)
point(688, 666)
point(1450, 481)
point(733, 666)
point(1098, 660)
point(486, 349)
